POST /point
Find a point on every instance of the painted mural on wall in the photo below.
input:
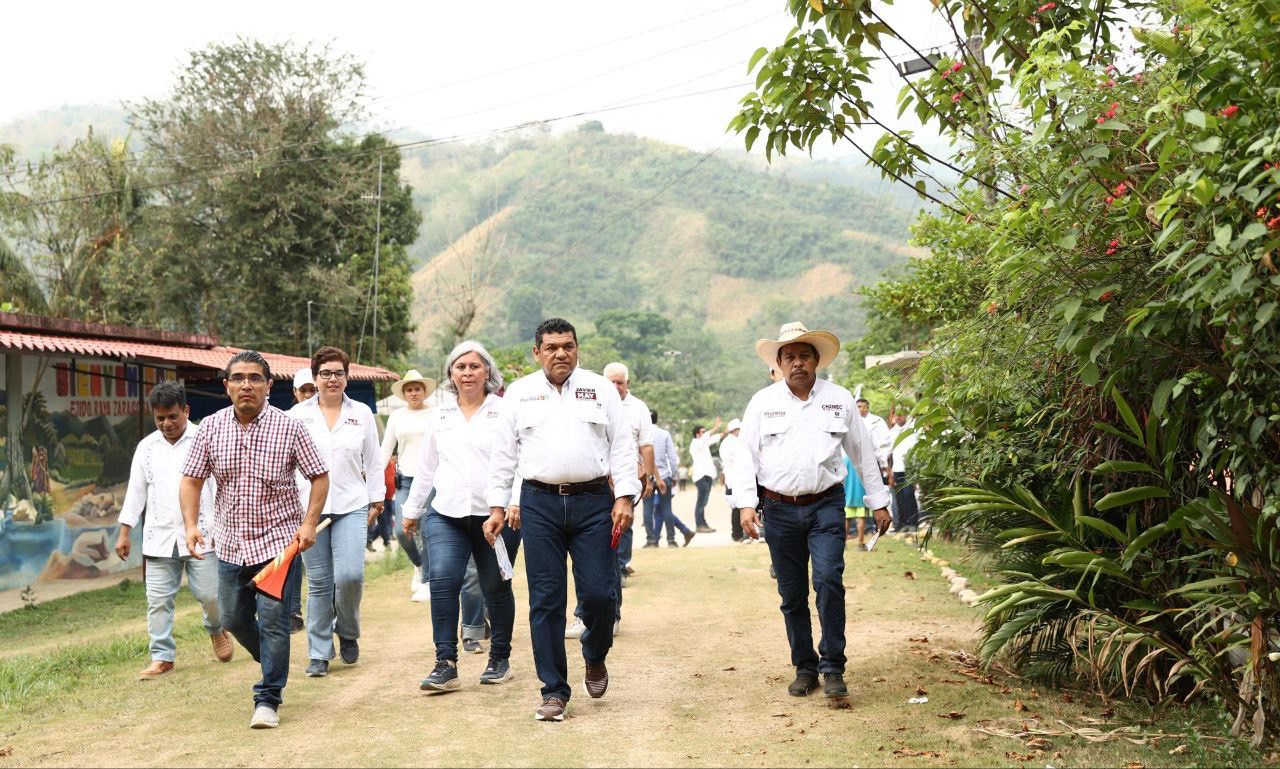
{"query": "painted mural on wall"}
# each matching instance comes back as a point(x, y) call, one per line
point(81, 420)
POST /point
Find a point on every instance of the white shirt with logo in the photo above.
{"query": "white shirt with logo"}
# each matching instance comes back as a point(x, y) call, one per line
point(575, 434)
point(454, 460)
point(795, 445)
point(350, 449)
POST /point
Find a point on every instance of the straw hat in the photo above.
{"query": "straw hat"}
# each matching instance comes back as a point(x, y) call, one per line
point(411, 376)
point(825, 342)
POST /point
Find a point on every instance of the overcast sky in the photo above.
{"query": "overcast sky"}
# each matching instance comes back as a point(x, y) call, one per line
point(440, 68)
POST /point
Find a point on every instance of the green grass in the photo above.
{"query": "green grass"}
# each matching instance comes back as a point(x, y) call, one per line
point(70, 615)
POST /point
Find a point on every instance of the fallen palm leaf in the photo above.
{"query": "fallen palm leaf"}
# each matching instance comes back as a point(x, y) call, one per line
point(954, 715)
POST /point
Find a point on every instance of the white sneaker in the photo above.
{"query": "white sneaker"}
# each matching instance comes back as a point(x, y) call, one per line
point(264, 717)
point(576, 629)
point(422, 594)
point(416, 579)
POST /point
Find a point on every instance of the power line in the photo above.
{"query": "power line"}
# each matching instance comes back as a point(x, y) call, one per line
point(371, 151)
point(133, 156)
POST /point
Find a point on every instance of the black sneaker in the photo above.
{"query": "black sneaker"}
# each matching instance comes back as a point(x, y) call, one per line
point(318, 669)
point(349, 649)
point(833, 685)
point(498, 672)
point(443, 679)
point(472, 646)
point(295, 622)
point(804, 683)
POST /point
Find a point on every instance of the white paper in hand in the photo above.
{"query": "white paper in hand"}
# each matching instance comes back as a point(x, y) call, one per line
point(871, 543)
point(504, 561)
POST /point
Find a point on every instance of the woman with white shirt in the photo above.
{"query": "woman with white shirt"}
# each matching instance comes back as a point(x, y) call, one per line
point(347, 438)
point(403, 440)
point(455, 463)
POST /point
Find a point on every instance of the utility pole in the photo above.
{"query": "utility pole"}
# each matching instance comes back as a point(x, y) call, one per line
point(377, 244)
point(310, 348)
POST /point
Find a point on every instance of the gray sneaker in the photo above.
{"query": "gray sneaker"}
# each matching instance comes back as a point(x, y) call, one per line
point(318, 669)
point(443, 679)
point(498, 672)
point(264, 717)
point(472, 646)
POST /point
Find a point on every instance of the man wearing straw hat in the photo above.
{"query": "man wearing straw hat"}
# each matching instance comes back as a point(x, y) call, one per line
point(794, 431)
point(403, 440)
point(253, 449)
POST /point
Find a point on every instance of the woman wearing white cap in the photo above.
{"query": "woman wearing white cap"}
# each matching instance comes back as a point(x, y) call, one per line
point(403, 439)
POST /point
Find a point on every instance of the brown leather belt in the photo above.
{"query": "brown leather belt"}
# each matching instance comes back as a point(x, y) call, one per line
point(568, 489)
point(803, 499)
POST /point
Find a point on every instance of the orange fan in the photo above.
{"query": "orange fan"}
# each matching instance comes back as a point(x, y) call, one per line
point(271, 580)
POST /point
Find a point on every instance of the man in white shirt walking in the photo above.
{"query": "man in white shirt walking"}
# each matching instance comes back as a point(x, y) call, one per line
point(731, 454)
point(564, 433)
point(794, 431)
point(704, 470)
point(153, 487)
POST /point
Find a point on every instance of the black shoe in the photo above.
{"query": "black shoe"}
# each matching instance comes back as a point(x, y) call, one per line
point(472, 646)
point(443, 679)
point(349, 649)
point(318, 669)
point(369, 546)
point(688, 537)
point(295, 622)
point(804, 683)
point(833, 685)
point(498, 672)
point(651, 544)
point(596, 679)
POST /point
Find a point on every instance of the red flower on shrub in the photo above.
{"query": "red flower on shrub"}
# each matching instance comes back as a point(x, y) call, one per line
point(1274, 224)
point(1107, 296)
point(1049, 6)
point(957, 96)
point(991, 308)
point(1229, 111)
point(1109, 199)
point(1022, 190)
point(1113, 247)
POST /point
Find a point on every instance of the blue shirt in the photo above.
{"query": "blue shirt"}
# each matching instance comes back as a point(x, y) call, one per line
point(665, 459)
point(854, 491)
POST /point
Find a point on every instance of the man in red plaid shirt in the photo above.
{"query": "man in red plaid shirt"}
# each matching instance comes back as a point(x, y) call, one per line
point(253, 450)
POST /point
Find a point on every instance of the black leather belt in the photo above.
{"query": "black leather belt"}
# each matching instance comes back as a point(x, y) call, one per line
point(803, 499)
point(568, 489)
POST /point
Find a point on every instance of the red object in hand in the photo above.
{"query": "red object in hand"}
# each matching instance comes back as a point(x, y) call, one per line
point(617, 536)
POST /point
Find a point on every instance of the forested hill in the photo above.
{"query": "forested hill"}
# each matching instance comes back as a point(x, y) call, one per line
point(586, 221)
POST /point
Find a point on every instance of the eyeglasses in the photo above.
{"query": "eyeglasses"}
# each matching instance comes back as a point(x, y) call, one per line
point(339, 374)
point(254, 379)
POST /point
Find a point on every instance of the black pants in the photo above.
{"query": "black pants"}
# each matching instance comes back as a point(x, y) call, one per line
point(700, 507)
point(735, 519)
point(905, 494)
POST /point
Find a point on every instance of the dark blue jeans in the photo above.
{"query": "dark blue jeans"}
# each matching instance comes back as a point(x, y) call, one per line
point(797, 534)
point(260, 624)
point(665, 515)
point(554, 527)
point(700, 507)
point(452, 542)
point(905, 495)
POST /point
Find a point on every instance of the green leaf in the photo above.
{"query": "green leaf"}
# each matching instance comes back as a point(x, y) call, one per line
point(1253, 231)
point(1089, 374)
point(755, 57)
point(1161, 397)
point(752, 133)
point(1264, 314)
point(1130, 496)
point(1098, 524)
point(1126, 413)
point(1211, 144)
point(1203, 191)
point(1195, 117)
point(1122, 466)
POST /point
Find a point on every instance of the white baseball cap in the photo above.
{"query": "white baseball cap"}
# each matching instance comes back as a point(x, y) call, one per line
point(734, 424)
point(303, 377)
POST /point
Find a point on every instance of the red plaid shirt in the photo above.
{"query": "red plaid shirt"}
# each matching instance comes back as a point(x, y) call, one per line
point(258, 510)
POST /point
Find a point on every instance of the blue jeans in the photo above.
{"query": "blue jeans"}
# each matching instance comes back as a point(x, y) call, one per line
point(296, 575)
point(664, 514)
point(260, 624)
point(163, 575)
point(473, 616)
point(453, 542)
point(415, 547)
point(797, 534)
point(700, 507)
point(554, 527)
point(335, 583)
point(904, 494)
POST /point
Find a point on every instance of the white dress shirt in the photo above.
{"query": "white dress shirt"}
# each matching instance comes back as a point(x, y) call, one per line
point(153, 486)
point(403, 438)
point(902, 449)
point(454, 460)
point(734, 458)
point(574, 434)
point(350, 449)
point(795, 445)
point(879, 432)
point(700, 451)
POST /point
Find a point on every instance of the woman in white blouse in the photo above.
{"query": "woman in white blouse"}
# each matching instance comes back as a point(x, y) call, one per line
point(345, 434)
point(455, 463)
point(403, 440)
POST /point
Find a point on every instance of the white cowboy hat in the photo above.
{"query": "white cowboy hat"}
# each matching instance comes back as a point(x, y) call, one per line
point(303, 377)
point(411, 376)
point(825, 342)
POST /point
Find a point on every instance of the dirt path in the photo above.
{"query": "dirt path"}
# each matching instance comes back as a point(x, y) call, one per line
point(698, 678)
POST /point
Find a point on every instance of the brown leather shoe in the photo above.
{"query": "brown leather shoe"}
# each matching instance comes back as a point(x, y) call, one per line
point(552, 709)
point(596, 679)
point(222, 646)
point(157, 669)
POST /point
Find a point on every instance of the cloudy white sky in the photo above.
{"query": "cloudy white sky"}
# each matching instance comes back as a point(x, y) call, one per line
point(440, 68)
